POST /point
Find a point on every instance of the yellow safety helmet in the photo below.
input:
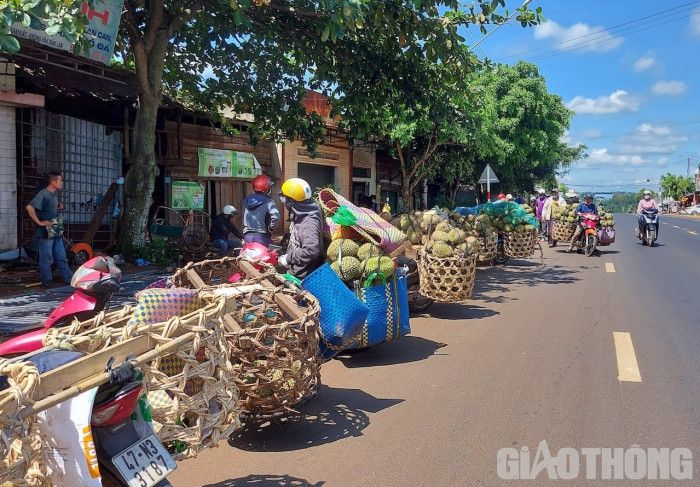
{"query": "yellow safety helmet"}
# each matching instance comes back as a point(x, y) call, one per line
point(296, 189)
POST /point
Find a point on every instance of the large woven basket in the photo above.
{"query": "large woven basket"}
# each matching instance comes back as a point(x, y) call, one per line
point(520, 245)
point(488, 248)
point(563, 231)
point(216, 272)
point(192, 392)
point(272, 332)
point(446, 280)
point(274, 351)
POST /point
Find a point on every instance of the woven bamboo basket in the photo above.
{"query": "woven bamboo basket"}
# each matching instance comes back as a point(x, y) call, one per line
point(216, 272)
point(488, 247)
point(446, 280)
point(191, 391)
point(520, 245)
point(563, 231)
point(273, 334)
point(21, 461)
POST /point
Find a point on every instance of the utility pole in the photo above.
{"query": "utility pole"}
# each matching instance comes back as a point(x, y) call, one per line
point(688, 167)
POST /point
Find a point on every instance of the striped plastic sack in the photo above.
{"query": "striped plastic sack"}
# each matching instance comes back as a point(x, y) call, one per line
point(370, 225)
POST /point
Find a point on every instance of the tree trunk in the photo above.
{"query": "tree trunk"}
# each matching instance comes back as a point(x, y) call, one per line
point(141, 175)
point(149, 60)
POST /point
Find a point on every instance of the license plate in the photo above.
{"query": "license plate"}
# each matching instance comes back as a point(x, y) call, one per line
point(145, 463)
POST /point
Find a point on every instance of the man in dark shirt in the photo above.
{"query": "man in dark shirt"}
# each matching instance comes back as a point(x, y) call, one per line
point(43, 210)
point(583, 208)
point(221, 227)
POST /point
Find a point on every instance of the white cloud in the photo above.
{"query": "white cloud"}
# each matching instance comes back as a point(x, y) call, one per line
point(592, 133)
point(651, 139)
point(695, 22)
point(603, 156)
point(579, 37)
point(669, 88)
point(617, 102)
point(645, 62)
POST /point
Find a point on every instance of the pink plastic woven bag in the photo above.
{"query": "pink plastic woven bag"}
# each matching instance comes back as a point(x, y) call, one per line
point(370, 225)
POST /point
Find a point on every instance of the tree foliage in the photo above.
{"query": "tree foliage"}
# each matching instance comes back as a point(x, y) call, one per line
point(56, 17)
point(676, 186)
point(519, 127)
point(625, 202)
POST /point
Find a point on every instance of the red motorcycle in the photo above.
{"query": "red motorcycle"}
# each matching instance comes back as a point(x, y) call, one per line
point(95, 283)
point(587, 242)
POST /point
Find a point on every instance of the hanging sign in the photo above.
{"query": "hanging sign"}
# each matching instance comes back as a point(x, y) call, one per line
point(187, 195)
point(101, 30)
point(218, 163)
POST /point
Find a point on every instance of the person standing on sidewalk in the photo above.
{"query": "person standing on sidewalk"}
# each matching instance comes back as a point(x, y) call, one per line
point(43, 210)
point(261, 214)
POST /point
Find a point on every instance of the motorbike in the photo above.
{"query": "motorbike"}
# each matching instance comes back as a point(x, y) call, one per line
point(95, 282)
point(587, 242)
point(650, 230)
point(105, 433)
point(501, 256)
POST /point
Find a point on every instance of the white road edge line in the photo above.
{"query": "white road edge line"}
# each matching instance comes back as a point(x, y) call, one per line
point(692, 233)
point(609, 267)
point(676, 226)
point(627, 367)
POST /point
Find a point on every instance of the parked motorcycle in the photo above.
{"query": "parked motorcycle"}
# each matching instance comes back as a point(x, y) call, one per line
point(650, 229)
point(587, 242)
point(95, 282)
point(416, 301)
point(104, 433)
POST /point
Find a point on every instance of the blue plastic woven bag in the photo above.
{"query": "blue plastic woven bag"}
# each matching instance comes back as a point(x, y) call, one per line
point(342, 313)
point(388, 312)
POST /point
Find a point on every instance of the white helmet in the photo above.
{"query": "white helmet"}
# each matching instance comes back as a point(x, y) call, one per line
point(509, 197)
point(229, 210)
point(646, 191)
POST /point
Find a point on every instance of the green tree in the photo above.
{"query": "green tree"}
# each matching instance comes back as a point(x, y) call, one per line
point(61, 17)
point(519, 126)
point(258, 56)
point(676, 186)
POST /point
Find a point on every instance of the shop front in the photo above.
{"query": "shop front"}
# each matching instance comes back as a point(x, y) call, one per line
point(329, 167)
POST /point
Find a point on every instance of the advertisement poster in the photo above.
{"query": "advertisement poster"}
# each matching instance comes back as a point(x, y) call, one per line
point(102, 29)
point(187, 195)
point(217, 163)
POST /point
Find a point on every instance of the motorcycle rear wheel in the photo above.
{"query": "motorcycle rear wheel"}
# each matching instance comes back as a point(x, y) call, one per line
point(590, 245)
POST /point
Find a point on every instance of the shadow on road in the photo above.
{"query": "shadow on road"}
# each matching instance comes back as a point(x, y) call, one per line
point(495, 285)
point(334, 414)
point(407, 349)
point(267, 481)
point(459, 312)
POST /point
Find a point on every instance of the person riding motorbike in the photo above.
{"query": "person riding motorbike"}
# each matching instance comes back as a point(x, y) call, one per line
point(586, 207)
point(646, 203)
point(305, 249)
point(221, 227)
point(261, 214)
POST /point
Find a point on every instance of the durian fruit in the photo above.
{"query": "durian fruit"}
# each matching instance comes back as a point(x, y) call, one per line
point(414, 237)
point(289, 384)
point(456, 236)
point(440, 249)
point(381, 264)
point(336, 267)
point(444, 227)
point(440, 236)
point(368, 250)
point(348, 248)
point(430, 221)
point(350, 269)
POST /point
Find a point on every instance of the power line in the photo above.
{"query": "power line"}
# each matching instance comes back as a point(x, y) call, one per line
point(610, 30)
point(585, 45)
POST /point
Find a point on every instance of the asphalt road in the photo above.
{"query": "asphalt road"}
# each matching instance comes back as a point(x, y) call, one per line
point(533, 358)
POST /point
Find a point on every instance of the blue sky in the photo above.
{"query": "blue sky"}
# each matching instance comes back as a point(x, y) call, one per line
point(634, 87)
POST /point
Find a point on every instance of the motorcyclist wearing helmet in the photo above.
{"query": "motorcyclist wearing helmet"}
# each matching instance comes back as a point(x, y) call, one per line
point(221, 227)
point(646, 203)
point(305, 250)
point(260, 216)
point(586, 207)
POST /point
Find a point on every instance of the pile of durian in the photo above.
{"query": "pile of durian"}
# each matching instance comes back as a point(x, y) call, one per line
point(418, 225)
point(449, 240)
point(352, 261)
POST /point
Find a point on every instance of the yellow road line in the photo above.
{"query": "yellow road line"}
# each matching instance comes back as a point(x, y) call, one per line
point(609, 267)
point(627, 367)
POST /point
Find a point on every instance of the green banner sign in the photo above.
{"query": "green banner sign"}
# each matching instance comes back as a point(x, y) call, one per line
point(187, 195)
point(218, 163)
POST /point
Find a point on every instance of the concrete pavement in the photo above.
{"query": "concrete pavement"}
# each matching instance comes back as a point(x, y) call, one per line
point(533, 358)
